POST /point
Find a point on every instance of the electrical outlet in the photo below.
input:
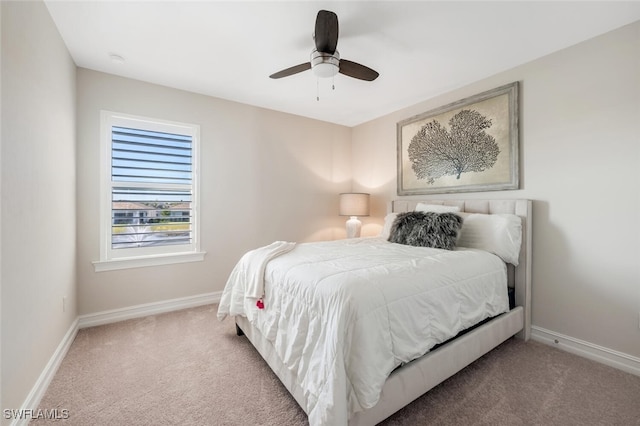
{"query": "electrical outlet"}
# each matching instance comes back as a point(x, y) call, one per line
point(64, 303)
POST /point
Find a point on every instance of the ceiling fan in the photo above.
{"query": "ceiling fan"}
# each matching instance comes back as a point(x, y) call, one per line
point(325, 60)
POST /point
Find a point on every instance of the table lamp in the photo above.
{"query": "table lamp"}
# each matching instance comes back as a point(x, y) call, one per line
point(354, 204)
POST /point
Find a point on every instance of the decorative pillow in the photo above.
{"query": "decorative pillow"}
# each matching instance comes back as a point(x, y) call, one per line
point(436, 208)
point(426, 229)
point(500, 234)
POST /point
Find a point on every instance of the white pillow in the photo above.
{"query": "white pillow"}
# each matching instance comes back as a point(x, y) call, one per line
point(500, 234)
point(436, 208)
point(388, 223)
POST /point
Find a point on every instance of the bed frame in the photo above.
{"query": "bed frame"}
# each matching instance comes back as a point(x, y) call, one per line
point(409, 382)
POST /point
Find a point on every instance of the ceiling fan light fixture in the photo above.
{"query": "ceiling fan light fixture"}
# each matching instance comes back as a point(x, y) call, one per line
point(325, 60)
point(325, 65)
point(325, 70)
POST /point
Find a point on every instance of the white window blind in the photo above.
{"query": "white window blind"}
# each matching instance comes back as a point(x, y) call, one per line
point(151, 174)
point(150, 179)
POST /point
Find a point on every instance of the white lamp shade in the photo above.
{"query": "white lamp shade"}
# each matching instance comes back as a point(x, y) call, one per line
point(354, 204)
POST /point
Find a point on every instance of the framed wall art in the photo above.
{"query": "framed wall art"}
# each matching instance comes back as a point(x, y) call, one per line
point(467, 146)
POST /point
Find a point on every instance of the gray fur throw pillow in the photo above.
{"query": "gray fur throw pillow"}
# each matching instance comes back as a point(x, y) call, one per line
point(426, 229)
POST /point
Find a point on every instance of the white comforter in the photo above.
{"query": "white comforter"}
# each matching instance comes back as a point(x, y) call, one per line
point(343, 314)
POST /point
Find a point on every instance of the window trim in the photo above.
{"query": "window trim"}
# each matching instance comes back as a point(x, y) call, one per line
point(163, 255)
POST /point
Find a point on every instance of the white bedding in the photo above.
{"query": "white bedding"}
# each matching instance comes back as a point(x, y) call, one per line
point(343, 314)
point(248, 279)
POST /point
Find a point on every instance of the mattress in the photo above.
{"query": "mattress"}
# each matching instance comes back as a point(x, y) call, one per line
point(342, 315)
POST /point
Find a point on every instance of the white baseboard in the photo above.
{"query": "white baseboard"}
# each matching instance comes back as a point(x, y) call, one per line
point(32, 401)
point(579, 347)
point(41, 385)
point(138, 311)
point(603, 355)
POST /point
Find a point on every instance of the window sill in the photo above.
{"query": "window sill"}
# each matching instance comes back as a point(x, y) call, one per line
point(140, 262)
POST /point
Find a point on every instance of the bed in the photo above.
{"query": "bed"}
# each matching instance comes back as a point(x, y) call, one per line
point(357, 353)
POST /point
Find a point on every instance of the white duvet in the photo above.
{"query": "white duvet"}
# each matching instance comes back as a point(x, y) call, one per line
point(342, 315)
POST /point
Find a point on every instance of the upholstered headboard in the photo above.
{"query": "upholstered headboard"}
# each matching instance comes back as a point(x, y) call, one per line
point(519, 276)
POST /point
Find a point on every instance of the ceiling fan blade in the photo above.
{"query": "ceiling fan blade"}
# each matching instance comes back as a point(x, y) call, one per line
point(292, 70)
point(326, 34)
point(355, 70)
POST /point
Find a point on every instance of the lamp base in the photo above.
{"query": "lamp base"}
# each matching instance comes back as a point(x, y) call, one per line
point(353, 227)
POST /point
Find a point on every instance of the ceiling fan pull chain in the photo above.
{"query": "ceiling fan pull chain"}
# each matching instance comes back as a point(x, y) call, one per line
point(333, 83)
point(318, 89)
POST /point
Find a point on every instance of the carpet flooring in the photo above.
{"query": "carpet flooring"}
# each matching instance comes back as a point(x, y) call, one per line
point(187, 368)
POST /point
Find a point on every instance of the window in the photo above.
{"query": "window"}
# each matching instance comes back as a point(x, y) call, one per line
point(149, 198)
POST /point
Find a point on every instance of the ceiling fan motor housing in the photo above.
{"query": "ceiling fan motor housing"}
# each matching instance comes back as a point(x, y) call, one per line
point(325, 65)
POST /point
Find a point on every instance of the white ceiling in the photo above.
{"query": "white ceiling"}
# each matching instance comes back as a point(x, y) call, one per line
point(420, 48)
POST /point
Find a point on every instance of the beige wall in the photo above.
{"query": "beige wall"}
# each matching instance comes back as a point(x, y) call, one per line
point(580, 163)
point(265, 176)
point(38, 195)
